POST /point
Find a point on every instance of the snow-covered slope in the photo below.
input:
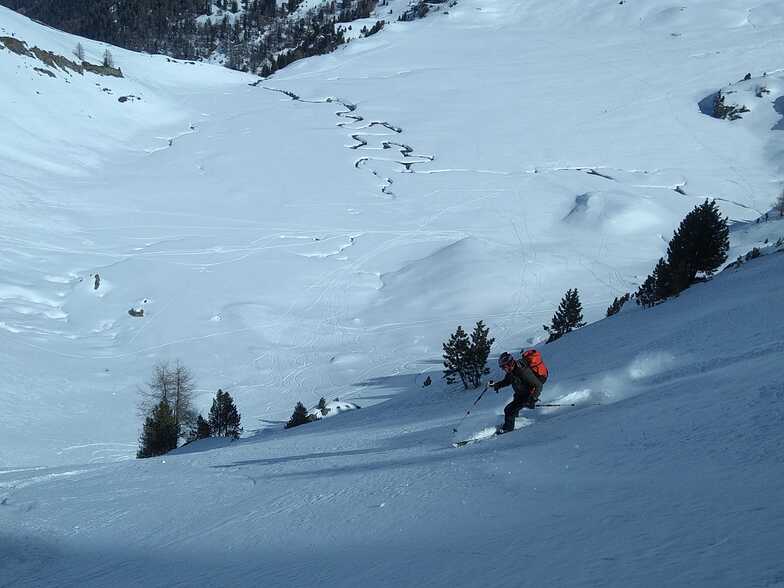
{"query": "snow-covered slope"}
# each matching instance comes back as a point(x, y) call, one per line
point(320, 233)
point(288, 249)
point(674, 480)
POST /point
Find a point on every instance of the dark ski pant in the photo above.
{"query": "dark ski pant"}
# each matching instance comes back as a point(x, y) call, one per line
point(512, 409)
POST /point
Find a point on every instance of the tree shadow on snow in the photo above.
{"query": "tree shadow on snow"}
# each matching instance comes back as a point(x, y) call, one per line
point(296, 458)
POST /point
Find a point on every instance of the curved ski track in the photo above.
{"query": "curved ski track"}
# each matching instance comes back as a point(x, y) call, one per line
point(357, 125)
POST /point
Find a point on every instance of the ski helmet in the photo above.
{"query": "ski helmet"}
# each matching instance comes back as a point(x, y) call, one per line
point(505, 358)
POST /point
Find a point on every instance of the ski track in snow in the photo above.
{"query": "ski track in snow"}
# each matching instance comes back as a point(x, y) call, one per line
point(357, 124)
point(169, 141)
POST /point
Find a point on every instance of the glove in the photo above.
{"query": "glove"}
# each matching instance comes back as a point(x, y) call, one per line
point(532, 400)
point(491, 384)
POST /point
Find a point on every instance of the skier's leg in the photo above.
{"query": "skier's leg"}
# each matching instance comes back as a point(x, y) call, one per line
point(511, 411)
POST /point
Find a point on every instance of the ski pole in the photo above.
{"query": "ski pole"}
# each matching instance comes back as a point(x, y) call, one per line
point(572, 404)
point(468, 412)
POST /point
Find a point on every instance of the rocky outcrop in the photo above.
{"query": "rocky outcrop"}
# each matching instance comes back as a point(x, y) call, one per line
point(56, 61)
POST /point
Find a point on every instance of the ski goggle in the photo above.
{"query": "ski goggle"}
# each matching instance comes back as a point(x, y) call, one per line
point(508, 364)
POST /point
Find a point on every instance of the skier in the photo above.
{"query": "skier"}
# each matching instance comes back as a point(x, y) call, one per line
point(527, 388)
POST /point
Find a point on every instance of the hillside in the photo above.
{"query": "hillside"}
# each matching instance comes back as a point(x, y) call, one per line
point(321, 232)
point(673, 480)
point(286, 250)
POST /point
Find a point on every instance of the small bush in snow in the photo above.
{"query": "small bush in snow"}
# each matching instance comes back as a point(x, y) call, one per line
point(373, 30)
point(737, 263)
point(753, 254)
point(617, 304)
point(299, 417)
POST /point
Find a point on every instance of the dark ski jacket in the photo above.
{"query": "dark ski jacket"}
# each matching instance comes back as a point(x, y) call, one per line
point(522, 379)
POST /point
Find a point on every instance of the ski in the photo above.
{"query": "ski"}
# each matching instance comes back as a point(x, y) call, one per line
point(464, 443)
point(477, 439)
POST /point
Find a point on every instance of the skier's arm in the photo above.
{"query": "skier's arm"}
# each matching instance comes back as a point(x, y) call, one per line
point(503, 383)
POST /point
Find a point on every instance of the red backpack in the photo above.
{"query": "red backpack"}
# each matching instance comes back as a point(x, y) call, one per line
point(534, 360)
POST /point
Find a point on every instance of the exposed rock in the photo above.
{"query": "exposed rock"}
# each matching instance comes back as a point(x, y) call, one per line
point(57, 61)
point(15, 46)
point(103, 70)
point(727, 111)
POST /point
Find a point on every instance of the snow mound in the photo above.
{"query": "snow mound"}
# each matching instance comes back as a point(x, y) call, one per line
point(615, 211)
point(439, 280)
point(332, 408)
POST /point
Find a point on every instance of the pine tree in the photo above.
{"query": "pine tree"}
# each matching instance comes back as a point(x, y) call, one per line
point(467, 358)
point(215, 416)
point(456, 352)
point(617, 304)
point(299, 417)
point(478, 352)
point(201, 430)
point(567, 318)
point(656, 287)
point(224, 419)
point(159, 434)
point(699, 245)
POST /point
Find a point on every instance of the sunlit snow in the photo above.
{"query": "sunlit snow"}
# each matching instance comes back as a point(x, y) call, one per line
point(322, 232)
